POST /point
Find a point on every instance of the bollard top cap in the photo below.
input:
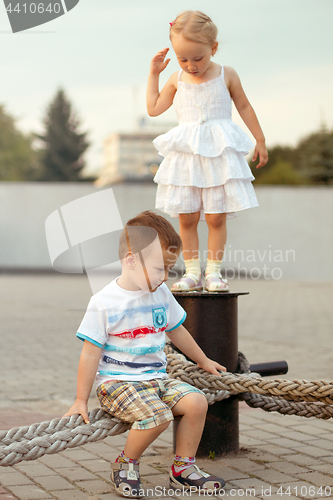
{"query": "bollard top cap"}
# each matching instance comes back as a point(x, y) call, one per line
point(206, 294)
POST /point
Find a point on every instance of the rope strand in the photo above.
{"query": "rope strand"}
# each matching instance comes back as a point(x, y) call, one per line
point(289, 397)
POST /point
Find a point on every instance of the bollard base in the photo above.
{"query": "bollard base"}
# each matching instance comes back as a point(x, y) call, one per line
point(212, 322)
point(220, 435)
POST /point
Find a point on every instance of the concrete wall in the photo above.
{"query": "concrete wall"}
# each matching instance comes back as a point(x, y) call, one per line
point(289, 236)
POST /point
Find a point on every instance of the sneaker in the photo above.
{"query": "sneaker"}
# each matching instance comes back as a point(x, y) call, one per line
point(188, 283)
point(128, 486)
point(206, 482)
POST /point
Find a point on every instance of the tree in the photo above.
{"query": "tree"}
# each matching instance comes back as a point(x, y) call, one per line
point(275, 154)
point(315, 156)
point(310, 162)
point(282, 172)
point(17, 157)
point(61, 158)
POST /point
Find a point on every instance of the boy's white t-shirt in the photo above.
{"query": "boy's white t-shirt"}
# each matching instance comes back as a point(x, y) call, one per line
point(130, 328)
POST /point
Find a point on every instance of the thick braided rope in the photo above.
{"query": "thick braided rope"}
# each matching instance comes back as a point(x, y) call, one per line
point(287, 405)
point(316, 390)
point(31, 442)
point(281, 405)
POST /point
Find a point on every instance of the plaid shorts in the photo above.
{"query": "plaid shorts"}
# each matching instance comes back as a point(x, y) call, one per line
point(145, 403)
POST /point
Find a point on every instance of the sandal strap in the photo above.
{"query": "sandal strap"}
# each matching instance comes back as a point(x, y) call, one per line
point(133, 469)
point(204, 482)
point(215, 283)
point(190, 279)
point(194, 277)
point(217, 276)
point(194, 468)
point(123, 466)
point(187, 283)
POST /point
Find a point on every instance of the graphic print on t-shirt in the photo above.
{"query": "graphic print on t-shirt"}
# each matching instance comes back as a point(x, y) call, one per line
point(159, 317)
point(107, 359)
point(142, 331)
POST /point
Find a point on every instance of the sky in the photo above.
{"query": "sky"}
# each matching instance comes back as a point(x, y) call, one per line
point(99, 53)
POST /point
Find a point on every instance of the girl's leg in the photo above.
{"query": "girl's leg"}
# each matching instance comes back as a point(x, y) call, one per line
point(217, 237)
point(188, 224)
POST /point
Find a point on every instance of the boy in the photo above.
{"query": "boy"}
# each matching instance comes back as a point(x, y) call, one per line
point(124, 336)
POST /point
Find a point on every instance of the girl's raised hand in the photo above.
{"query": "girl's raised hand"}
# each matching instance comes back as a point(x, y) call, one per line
point(158, 64)
point(261, 151)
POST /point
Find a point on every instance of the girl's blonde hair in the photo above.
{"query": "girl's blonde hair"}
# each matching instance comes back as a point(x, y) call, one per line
point(195, 26)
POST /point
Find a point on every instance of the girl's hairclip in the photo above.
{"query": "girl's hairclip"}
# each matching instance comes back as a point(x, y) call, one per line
point(171, 24)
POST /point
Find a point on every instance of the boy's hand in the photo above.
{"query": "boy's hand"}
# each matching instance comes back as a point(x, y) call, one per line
point(211, 366)
point(158, 64)
point(261, 151)
point(79, 407)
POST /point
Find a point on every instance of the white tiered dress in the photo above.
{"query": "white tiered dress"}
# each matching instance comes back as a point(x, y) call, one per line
point(206, 150)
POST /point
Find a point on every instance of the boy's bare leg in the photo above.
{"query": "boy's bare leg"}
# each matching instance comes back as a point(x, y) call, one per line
point(193, 408)
point(138, 440)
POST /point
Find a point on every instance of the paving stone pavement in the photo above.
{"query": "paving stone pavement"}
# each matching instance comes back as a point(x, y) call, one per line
point(280, 456)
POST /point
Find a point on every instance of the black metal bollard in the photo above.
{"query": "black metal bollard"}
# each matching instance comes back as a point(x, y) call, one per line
point(212, 322)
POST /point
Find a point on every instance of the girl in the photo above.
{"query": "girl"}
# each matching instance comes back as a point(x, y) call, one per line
point(204, 174)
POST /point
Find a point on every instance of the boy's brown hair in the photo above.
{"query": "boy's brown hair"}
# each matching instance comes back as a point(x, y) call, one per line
point(142, 230)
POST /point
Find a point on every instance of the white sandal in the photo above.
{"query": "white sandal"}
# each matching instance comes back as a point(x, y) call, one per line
point(215, 283)
point(188, 283)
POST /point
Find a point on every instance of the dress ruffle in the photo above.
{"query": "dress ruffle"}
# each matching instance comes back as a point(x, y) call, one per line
point(208, 138)
point(233, 196)
point(201, 171)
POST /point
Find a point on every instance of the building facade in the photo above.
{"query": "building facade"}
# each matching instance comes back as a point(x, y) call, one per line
point(129, 157)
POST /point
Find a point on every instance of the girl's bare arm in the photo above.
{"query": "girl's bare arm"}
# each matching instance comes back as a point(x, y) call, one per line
point(247, 114)
point(158, 102)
